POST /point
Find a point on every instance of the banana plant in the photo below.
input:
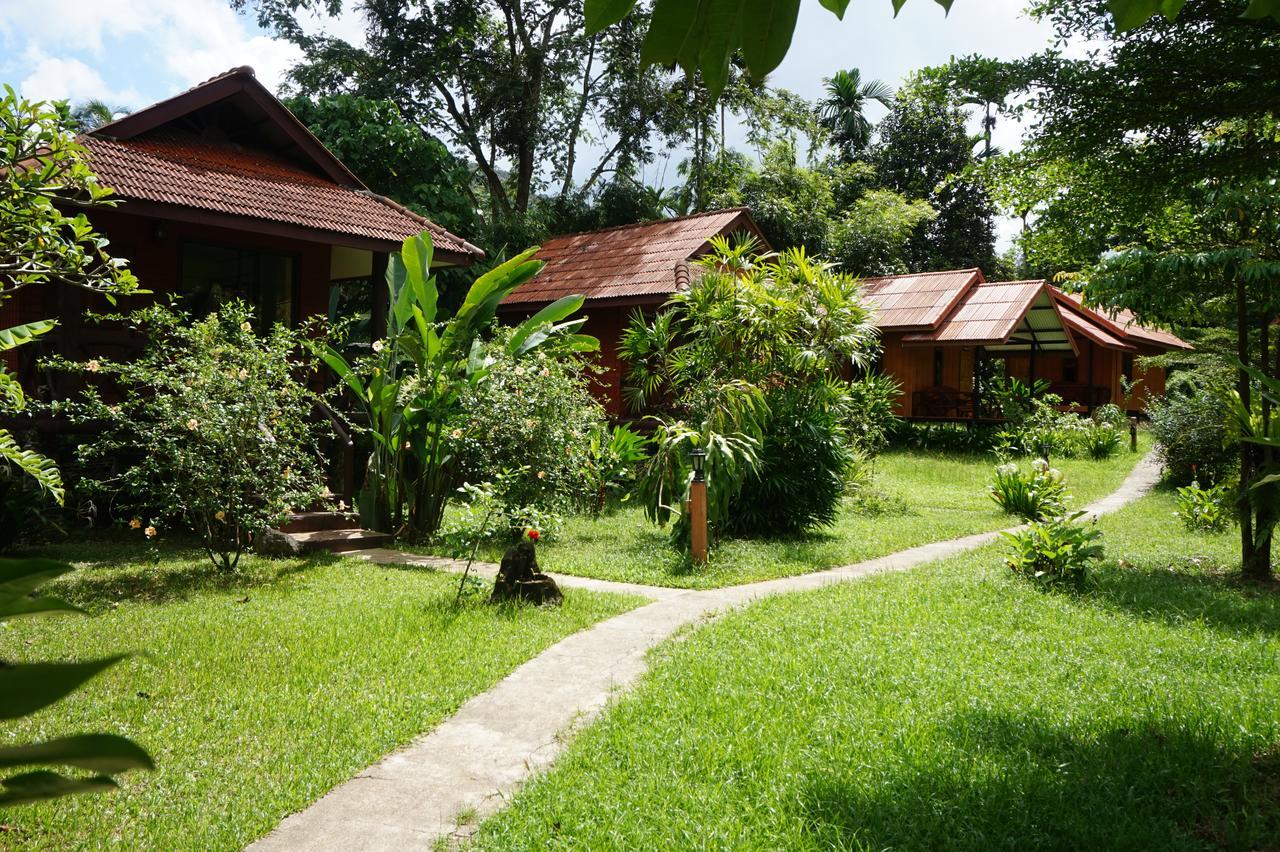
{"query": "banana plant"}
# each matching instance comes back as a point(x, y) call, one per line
point(414, 382)
point(28, 687)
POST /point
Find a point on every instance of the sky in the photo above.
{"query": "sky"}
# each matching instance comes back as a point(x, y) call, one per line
point(131, 53)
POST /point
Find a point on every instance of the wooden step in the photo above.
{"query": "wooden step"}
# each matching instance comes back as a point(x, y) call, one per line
point(279, 543)
point(300, 522)
point(339, 541)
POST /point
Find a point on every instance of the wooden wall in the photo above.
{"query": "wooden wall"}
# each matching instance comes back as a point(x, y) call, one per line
point(913, 368)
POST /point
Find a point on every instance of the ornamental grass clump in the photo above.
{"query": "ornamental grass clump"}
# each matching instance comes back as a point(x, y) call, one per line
point(211, 429)
point(1035, 494)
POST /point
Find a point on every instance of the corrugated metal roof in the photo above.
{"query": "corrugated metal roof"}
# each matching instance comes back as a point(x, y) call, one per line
point(173, 167)
point(988, 313)
point(918, 301)
point(629, 260)
point(1124, 323)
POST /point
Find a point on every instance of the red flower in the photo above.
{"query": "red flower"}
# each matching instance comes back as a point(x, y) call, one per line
point(531, 534)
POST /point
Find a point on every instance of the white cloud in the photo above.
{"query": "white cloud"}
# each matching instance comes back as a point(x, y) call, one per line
point(186, 41)
point(59, 78)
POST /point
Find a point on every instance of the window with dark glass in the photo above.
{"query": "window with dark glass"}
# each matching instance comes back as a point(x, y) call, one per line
point(211, 275)
point(937, 366)
point(1070, 371)
point(1126, 367)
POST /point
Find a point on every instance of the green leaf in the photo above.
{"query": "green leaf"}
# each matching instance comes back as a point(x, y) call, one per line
point(1132, 13)
point(27, 687)
point(20, 577)
point(1262, 9)
point(552, 313)
point(599, 14)
point(11, 338)
point(836, 6)
point(343, 370)
point(43, 784)
point(670, 26)
point(40, 468)
point(766, 35)
point(105, 753)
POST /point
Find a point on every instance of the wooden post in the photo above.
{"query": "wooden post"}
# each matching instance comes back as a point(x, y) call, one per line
point(698, 521)
point(1133, 434)
point(379, 298)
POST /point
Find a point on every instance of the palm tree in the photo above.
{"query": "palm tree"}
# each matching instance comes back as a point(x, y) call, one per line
point(841, 111)
point(92, 114)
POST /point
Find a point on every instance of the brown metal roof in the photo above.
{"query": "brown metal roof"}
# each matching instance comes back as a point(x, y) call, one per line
point(988, 314)
point(629, 260)
point(1125, 324)
point(919, 301)
point(172, 167)
point(1082, 325)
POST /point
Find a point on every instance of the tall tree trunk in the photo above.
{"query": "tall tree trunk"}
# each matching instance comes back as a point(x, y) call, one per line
point(1255, 554)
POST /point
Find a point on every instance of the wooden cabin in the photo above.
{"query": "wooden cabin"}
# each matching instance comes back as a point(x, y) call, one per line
point(941, 329)
point(622, 270)
point(937, 328)
point(224, 194)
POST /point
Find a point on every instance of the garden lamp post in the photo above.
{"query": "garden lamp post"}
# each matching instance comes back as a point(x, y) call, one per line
point(698, 506)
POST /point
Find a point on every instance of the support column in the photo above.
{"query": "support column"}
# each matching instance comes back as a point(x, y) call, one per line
point(379, 297)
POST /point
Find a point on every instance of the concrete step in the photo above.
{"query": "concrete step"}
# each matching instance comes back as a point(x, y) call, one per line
point(300, 522)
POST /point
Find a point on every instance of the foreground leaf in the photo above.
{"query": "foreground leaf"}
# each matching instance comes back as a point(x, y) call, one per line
point(27, 687)
point(105, 753)
point(43, 784)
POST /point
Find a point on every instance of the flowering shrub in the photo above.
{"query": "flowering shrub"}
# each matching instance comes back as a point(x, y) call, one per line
point(1206, 509)
point(212, 429)
point(1057, 550)
point(535, 418)
point(1036, 494)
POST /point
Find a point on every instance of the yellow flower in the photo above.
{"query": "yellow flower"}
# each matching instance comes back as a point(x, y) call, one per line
point(455, 434)
point(135, 524)
point(150, 532)
point(220, 515)
point(193, 424)
point(542, 474)
point(244, 373)
point(246, 326)
point(93, 366)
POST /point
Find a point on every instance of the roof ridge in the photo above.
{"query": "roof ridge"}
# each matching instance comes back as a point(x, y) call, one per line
point(969, 269)
point(685, 217)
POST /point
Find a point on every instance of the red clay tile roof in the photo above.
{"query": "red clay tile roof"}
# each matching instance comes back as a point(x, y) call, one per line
point(629, 260)
point(1124, 323)
point(918, 301)
point(173, 167)
point(1084, 325)
point(987, 313)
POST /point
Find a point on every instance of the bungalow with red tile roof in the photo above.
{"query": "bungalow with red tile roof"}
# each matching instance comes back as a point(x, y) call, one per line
point(224, 194)
point(622, 270)
point(937, 328)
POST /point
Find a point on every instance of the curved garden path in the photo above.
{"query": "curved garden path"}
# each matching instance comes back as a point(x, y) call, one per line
point(446, 781)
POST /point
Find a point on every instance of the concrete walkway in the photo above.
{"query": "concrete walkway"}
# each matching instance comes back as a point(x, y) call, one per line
point(445, 782)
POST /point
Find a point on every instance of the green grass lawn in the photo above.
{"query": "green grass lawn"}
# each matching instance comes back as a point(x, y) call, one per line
point(954, 706)
point(256, 694)
point(932, 496)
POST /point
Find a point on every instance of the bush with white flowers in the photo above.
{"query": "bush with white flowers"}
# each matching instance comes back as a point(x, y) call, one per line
point(1035, 494)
